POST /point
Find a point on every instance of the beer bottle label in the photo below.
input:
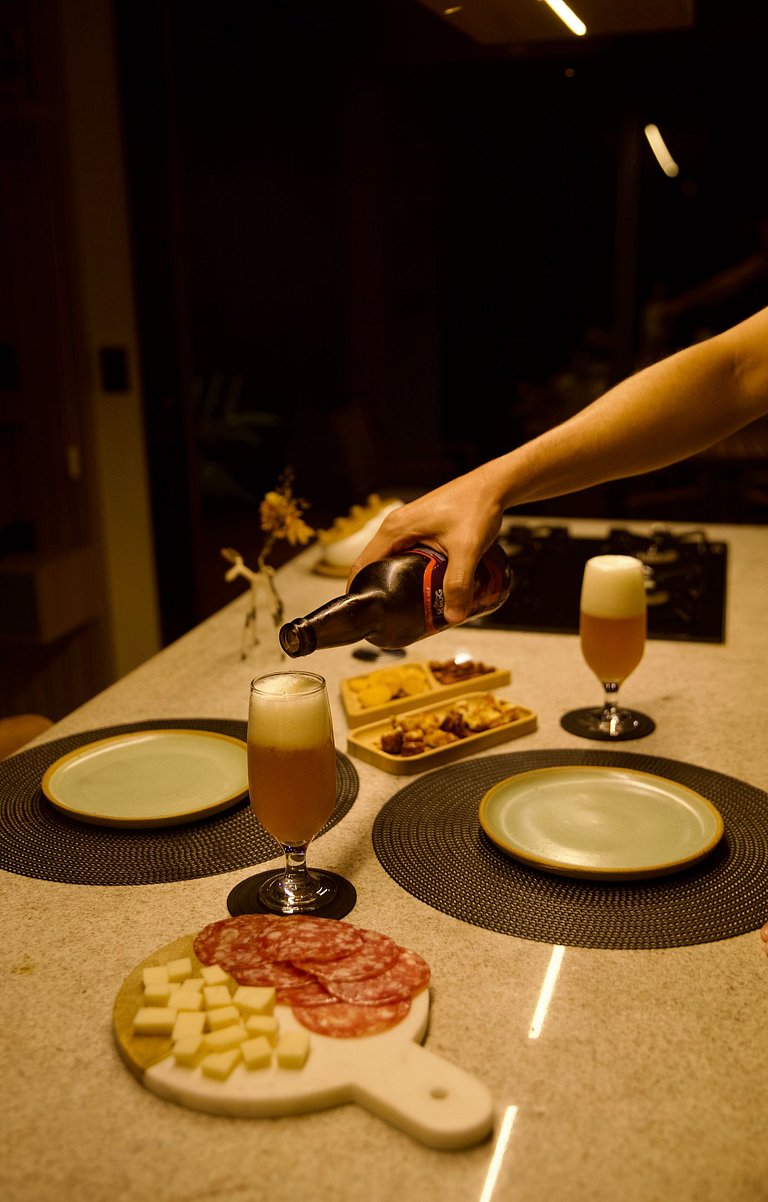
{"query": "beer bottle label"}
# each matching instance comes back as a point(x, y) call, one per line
point(489, 582)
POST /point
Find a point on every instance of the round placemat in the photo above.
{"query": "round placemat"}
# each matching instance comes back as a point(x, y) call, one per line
point(37, 840)
point(429, 840)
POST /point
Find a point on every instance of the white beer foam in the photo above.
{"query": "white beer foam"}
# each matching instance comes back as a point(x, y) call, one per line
point(613, 587)
point(289, 712)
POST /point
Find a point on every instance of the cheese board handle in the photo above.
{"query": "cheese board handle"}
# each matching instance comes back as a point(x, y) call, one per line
point(428, 1097)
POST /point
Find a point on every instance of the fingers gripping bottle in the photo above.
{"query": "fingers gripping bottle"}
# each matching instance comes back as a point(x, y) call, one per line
point(395, 602)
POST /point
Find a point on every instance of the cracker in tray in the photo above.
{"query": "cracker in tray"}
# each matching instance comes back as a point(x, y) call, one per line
point(413, 734)
point(389, 684)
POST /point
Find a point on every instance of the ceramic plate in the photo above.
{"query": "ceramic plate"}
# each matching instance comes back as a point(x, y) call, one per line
point(611, 823)
point(149, 778)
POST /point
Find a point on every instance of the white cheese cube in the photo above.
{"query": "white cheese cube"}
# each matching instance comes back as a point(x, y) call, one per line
point(179, 970)
point(222, 1016)
point(185, 999)
point(257, 1053)
point(155, 976)
point(189, 1051)
point(216, 995)
point(214, 974)
point(154, 1020)
point(220, 1064)
point(157, 995)
point(263, 1024)
point(227, 1037)
point(255, 999)
point(292, 1049)
point(188, 1023)
point(193, 984)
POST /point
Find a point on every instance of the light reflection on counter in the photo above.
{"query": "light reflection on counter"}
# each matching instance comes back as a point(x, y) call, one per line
point(546, 991)
point(500, 1148)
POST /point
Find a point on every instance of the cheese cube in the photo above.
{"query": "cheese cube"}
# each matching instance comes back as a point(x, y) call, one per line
point(220, 1064)
point(189, 1051)
point(188, 1023)
point(263, 1024)
point(155, 976)
point(193, 984)
point(225, 1038)
point(179, 970)
point(222, 1016)
point(157, 995)
point(185, 999)
point(255, 999)
point(214, 974)
point(257, 1053)
point(216, 995)
point(292, 1049)
point(154, 1020)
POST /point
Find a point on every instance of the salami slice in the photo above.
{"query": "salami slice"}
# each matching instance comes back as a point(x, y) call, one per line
point(309, 993)
point(408, 975)
point(218, 937)
point(300, 938)
point(375, 954)
point(342, 1020)
point(266, 972)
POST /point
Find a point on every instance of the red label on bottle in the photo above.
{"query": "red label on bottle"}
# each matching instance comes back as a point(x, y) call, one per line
point(434, 595)
point(489, 583)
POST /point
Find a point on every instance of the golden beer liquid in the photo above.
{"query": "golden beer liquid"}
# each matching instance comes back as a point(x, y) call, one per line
point(292, 790)
point(612, 647)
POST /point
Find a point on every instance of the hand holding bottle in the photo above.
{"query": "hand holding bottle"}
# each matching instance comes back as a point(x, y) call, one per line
point(461, 519)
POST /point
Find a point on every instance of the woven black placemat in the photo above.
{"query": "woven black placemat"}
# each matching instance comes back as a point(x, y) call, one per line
point(429, 840)
point(37, 840)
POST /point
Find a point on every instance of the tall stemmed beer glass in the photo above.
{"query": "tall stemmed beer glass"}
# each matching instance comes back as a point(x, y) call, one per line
point(292, 781)
point(612, 627)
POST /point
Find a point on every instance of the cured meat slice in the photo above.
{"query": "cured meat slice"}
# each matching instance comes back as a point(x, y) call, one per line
point(266, 972)
point(310, 993)
point(342, 1020)
point(300, 938)
point(218, 937)
point(376, 953)
point(407, 976)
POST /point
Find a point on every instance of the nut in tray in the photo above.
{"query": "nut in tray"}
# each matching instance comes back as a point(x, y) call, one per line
point(393, 690)
point(439, 734)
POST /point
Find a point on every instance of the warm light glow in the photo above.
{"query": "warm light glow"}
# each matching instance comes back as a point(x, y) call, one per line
point(498, 1153)
point(547, 989)
point(659, 148)
point(567, 16)
point(462, 657)
point(448, 12)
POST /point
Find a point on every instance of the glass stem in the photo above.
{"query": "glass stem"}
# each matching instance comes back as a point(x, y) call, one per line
point(610, 716)
point(296, 876)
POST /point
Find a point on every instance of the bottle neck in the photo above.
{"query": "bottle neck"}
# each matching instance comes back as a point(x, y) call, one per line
point(341, 621)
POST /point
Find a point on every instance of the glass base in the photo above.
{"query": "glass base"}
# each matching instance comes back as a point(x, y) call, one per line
point(297, 894)
point(619, 725)
point(245, 898)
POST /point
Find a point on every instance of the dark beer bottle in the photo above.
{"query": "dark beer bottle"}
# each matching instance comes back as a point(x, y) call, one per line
point(395, 602)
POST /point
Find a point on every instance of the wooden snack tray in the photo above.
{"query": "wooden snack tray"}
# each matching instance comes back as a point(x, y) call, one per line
point(363, 742)
point(359, 715)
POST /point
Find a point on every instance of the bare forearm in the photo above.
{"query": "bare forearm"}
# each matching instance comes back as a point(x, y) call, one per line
point(663, 414)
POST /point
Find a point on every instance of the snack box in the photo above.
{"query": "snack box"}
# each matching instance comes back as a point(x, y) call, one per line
point(421, 683)
point(364, 743)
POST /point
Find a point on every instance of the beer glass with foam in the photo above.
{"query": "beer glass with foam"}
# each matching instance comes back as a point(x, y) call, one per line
point(292, 781)
point(612, 629)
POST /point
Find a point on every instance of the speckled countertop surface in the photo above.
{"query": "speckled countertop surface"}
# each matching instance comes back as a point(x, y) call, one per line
point(648, 1081)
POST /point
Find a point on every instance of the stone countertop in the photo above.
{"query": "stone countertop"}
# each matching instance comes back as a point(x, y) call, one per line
point(648, 1081)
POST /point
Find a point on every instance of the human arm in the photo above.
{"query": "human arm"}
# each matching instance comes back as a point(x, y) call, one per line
point(664, 413)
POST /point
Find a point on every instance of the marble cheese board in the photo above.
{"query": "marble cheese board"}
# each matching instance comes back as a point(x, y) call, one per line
point(389, 1073)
